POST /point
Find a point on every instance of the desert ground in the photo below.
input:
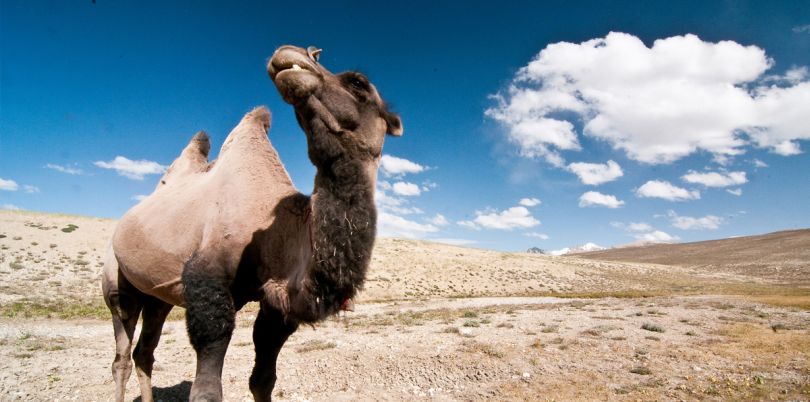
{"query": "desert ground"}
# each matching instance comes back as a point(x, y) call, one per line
point(726, 320)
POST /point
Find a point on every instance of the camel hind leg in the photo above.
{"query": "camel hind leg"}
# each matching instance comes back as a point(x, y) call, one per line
point(125, 307)
point(154, 315)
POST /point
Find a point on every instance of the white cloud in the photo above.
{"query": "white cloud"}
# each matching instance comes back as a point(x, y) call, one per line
point(512, 218)
point(715, 179)
point(708, 222)
point(139, 197)
point(657, 236)
point(439, 220)
point(406, 189)
point(30, 189)
point(667, 191)
point(736, 191)
point(802, 28)
point(454, 242)
point(64, 169)
point(8, 185)
point(10, 207)
point(390, 225)
point(760, 164)
point(541, 236)
point(658, 104)
point(639, 227)
point(392, 166)
point(595, 198)
point(130, 169)
point(529, 202)
point(596, 173)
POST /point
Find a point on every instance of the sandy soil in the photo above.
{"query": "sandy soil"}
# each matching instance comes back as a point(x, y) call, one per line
point(435, 322)
point(464, 349)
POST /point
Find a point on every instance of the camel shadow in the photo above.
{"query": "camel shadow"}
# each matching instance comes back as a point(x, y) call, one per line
point(178, 392)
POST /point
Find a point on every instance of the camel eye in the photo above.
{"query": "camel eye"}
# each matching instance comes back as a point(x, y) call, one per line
point(357, 83)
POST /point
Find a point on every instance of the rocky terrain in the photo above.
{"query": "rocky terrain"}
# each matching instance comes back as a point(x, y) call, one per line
point(446, 323)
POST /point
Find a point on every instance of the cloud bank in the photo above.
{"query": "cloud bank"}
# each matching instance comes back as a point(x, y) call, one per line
point(657, 104)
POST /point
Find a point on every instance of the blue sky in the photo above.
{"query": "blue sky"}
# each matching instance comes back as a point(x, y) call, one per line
point(699, 106)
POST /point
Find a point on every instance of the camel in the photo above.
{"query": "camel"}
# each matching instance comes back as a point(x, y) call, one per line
point(214, 236)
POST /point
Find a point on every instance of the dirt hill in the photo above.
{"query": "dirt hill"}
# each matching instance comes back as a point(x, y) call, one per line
point(780, 256)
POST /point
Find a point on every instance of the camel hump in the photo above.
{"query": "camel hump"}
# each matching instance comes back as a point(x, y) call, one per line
point(260, 115)
point(200, 143)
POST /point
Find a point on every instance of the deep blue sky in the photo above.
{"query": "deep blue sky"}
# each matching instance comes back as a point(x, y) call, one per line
point(83, 82)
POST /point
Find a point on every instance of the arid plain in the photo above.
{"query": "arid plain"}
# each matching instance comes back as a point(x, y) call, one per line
point(721, 320)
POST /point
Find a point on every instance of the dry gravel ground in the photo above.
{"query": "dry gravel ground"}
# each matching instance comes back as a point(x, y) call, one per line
point(435, 322)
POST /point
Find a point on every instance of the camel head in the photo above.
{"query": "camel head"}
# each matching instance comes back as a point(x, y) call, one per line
point(342, 114)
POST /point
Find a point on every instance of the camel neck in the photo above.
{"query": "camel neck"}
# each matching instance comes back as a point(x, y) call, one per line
point(344, 222)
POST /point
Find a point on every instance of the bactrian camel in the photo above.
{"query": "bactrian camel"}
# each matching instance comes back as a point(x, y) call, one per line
point(214, 236)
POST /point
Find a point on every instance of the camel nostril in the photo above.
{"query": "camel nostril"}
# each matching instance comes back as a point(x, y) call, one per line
point(314, 53)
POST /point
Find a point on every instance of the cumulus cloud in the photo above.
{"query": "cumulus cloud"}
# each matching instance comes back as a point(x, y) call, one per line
point(596, 173)
point(736, 191)
point(658, 104)
point(529, 202)
point(64, 169)
point(406, 189)
point(708, 222)
point(390, 225)
point(760, 164)
point(30, 189)
point(10, 207)
point(715, 179)
point(657, 236)
point(595, 198)
point(439, 220)
point(509, 219)
point(644, 232)
point(454, 241)
point(139, 197)
point(8, 185)
point(665, 190)
point(541, 236)
point(130, 169)
point(391, 166)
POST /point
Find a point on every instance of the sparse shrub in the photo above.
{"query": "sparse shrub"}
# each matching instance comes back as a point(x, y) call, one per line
point(652, 338)
point(776, 327)
point(16, 265)
point(69, 228)
point(641, 370)
point(469, 314)
point(2, 236)
point(17, 237)
point(52, 245)
point(652, 327)
point(472, 323)
point(549, 329)
point(316, 345)
point(451, 330)
point(505, 325)
point(690, 333)
point(33, 243)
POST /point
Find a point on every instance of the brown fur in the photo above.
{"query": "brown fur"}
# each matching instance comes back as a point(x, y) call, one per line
point(214, 236)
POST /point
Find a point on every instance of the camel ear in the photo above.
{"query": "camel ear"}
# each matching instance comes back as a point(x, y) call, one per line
point(394, 124)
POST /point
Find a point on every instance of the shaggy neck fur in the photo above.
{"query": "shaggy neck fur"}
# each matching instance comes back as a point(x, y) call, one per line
point(343, 224)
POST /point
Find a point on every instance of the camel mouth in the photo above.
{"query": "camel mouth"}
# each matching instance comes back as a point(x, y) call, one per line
point(290, 60)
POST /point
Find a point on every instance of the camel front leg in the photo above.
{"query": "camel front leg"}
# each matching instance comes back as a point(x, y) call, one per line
point(270, 332)
point(210, 316)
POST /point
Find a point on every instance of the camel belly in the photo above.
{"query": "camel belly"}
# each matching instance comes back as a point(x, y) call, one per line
point(151, 254)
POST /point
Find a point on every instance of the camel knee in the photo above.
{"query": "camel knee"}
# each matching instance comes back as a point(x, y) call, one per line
point(143, 360)
point(121, 366)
